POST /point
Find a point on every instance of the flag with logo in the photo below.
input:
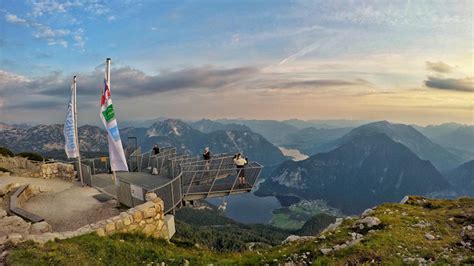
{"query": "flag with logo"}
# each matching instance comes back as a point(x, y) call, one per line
point(69, 132)
point(107, 114)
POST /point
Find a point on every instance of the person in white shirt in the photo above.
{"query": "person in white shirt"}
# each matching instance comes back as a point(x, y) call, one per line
point(240, 163)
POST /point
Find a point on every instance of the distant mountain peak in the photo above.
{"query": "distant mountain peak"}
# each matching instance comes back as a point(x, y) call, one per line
point(169, 127)
point(408, 136)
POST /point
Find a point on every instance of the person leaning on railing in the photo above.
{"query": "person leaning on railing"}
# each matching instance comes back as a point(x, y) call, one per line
point(240, 163)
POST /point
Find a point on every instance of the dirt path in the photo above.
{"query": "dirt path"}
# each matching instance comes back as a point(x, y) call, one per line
point(64, 205)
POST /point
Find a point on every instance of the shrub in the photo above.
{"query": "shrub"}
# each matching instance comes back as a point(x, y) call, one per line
point(31, 156)
point(6, 152)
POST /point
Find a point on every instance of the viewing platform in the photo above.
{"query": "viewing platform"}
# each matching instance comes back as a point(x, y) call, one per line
point(173, 177)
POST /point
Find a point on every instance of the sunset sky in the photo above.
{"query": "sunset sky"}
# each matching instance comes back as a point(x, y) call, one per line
point(403, 61)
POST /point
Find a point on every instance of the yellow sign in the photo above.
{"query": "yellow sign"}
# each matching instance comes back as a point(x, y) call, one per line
point(103, 159)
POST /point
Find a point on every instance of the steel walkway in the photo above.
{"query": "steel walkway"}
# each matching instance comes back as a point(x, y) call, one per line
point(178, 178)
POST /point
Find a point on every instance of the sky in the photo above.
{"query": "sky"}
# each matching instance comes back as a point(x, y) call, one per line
point(403, 61)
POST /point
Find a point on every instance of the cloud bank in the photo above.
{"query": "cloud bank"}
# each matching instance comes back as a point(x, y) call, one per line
point(53, 90)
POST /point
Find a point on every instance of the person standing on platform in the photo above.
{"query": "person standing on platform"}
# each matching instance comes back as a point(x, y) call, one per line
point(207, 158)
point(240, 163)
point(156, 149)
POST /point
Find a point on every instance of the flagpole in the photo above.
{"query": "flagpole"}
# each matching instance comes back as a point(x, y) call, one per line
point(108, 62)
point(76, 130)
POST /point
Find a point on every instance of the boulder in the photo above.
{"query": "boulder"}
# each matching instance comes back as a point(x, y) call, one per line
point(39, 228)
point(325, 251)
point(429, 236)
point(15, 238)
point(13, 224)
point(333, 226)
point(367, 212)
point(43, 238)
point(369, 221)
point(404, 200)
point(293, 238)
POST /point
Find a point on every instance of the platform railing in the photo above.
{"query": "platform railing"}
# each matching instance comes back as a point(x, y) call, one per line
point(99, 165)
point(139, 162)
point(170, 193)
point(213, 164)
point(223, 179)
point(190, 177)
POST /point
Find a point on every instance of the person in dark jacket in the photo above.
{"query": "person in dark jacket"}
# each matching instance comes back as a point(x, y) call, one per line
point(207, 157)
point(156, 149)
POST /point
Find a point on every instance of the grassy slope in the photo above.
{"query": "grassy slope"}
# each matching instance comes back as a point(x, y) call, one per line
point(397, 239)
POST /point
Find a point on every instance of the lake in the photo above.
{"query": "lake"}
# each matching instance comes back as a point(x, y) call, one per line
point(248, 208)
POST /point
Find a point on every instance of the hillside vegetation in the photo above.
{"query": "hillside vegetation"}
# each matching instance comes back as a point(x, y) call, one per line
point(421, 230)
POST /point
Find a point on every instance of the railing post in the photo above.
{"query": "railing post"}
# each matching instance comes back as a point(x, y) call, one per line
point(172, 197)
point(191, 183)
point(235, 181)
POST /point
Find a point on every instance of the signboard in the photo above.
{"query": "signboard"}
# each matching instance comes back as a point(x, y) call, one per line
point(137, 192)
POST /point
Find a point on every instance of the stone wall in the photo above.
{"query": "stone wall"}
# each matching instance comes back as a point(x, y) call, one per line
point(21, 166)
point(147, 218)
point(58, 170)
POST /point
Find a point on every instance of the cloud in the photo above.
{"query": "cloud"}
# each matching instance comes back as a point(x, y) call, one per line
point(44, 32)
point(128, 81)
point(14, 19)
point(42, 7)
point(439, 67)
point(315, 83)
point(465, 84)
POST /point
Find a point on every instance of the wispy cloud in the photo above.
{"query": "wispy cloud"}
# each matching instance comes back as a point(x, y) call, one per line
point(14, 19)
point(45, 7)
point(44, 32)
point(306, 50)
point(439, 67)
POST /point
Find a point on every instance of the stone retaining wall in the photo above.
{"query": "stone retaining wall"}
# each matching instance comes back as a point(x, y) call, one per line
point(147, 218)
point(58, 170)
point(21, 166)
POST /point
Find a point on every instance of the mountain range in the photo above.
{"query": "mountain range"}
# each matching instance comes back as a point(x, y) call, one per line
point(351, 168)
point(49, 140)
point(190, 140)
point(456, 138)
point(365, 170)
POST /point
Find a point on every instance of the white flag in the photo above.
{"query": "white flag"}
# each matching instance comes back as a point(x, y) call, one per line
point(70, 132)
point(107, 114)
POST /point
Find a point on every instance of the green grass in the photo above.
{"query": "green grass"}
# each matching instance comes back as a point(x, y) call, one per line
point(397, 239)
